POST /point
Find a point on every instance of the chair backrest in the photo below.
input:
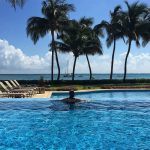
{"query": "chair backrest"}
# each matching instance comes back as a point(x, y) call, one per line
point(9, 85)
point(4, 87)
point(17, 83)
point(14, 84)
point(1, 94)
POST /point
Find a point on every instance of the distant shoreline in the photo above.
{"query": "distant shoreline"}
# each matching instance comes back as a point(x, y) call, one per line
point(80, 77)
point(64, 73)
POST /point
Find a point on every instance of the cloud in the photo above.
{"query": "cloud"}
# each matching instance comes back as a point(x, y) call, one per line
point(14, 60)
point(139, 63)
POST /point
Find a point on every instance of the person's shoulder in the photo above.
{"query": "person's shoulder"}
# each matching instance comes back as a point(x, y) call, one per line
point(71, 100)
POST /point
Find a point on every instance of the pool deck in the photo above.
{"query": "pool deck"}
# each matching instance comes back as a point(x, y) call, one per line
point(47, 94)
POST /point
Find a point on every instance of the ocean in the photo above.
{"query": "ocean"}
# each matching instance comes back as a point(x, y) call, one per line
point(77, 76)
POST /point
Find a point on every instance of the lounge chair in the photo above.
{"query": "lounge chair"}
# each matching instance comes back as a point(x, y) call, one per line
point(15, 94)
point(31, 91)
point(2, 94)
point(12, 95)
point(36, 89)
point(14, 84)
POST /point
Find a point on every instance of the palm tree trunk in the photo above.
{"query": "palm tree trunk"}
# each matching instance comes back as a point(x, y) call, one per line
point(58, 66)
point(74, 66)
point(55, 51)
point(112, 60)
point(89, 66)
point(126, 59)
point(52, 62)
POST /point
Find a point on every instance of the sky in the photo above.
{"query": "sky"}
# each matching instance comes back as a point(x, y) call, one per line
point(18, 54)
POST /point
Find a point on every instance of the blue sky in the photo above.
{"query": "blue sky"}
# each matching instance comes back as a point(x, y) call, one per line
point(13, 24)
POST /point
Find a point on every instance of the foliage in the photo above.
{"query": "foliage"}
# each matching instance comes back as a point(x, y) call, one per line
point(15, 3)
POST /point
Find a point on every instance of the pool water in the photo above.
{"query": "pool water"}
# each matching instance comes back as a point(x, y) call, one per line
point(116, 95)
point(116, 120)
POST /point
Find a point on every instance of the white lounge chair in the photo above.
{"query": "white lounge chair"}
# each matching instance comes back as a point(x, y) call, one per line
point(2, 94)
point(14, 84)
point(31, 91)
point(14, 94)
point(36, 89)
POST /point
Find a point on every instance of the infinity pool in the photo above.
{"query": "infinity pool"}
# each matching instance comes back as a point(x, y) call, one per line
point(116, 95)
point(108, 120)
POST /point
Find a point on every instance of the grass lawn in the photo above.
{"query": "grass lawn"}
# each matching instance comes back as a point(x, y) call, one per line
point(64, 87)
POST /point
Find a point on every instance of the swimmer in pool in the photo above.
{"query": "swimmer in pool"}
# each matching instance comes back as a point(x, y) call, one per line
point(71, 99)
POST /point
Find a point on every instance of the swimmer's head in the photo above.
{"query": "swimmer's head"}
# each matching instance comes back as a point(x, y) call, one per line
point(71, 94)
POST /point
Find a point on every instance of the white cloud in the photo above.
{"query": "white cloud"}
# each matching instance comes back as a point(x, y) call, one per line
point(13, 60)
point(139, 63)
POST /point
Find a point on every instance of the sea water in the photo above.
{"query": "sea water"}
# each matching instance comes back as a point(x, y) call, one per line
point(77, 76)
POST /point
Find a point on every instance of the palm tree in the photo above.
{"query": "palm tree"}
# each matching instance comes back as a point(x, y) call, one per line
point(114, 32)
point(91, 44)
point(78, 38)
point(134, 24)
point(15, 3)
point(55, 16)
point(71, 41)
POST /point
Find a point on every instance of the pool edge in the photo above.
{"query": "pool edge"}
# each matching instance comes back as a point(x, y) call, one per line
point(99, 90)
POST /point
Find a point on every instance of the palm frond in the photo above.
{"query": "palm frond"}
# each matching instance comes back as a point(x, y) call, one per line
point(135, 21)
point(86, 21)
point(116, 9)
point(100, 27)
point(56, 8)
point(109, 41)
point(37, 27)
point(15, 3)
point(137, 43)
point(62, 47)
point(146, 40)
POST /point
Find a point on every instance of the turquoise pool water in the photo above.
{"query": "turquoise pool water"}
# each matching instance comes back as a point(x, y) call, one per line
point(116, 95)
point(116, 120)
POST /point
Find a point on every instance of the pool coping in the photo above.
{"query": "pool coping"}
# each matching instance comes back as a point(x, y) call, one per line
point(99, 90)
